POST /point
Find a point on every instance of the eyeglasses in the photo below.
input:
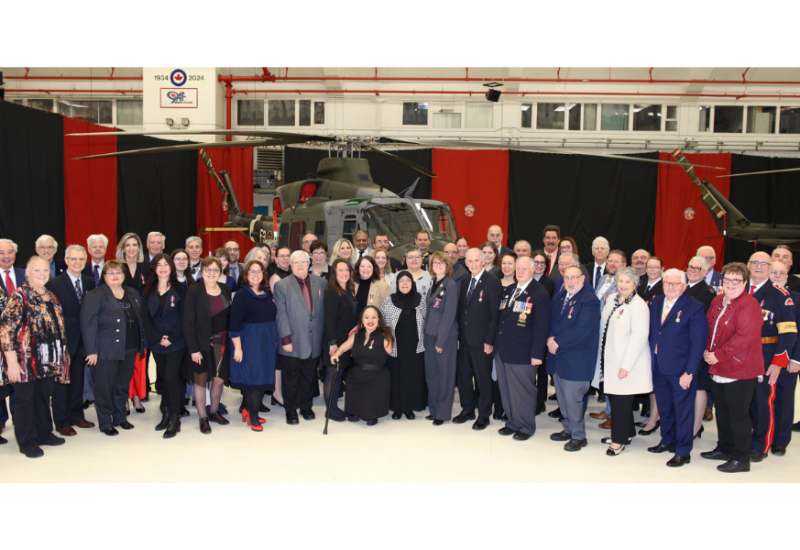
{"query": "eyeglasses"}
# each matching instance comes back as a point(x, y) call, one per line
point(300, 262)
point(318, 253)
point(283, 255)
point(696, 269)
point(779, 273)
point(573, 278)
point(309, 242)
point(211, 270)
point(76, 259)
point(671, 285)
point(565, 248)
point(540, 263)
point(47, 247)
point(255, 272)
point(233, 249)
point(599, 248)
point(415, 257)
point(759, 264)
point(440, 264)
point(709, 258)
point(732, 282)
point(114, 273)
point(382, 241)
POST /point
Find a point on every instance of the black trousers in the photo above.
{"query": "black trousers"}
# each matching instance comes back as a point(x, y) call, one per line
point(68, 398)
point(541, 384)
point(168, 369)
point(622, 426)
point(32, 421)
point(112, 379)
point(732, 404)
point(297, 379)
point(474, 363)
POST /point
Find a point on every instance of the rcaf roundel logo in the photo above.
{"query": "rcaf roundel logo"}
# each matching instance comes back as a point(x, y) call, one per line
point(469, 210)
point(689, 213)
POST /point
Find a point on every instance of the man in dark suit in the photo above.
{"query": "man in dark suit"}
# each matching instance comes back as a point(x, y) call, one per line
point(46, 247)
point(521, 347)
point(156, 243)
point(551, 237)
point(597, 268)
point(11, 278)
point(639, 264)
point(382, 241)
point(70, 288)
point(459, 272)
point(233, 252)
point(564, 261)
point(96, 245)
point(678, 333)
point(572, 353)
point(478, 313)
point(495, 235)
point(783, 254)
point(698, 287)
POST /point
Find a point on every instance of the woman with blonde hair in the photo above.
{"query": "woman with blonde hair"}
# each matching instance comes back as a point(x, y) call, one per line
point(343, 249)
point(129, 252)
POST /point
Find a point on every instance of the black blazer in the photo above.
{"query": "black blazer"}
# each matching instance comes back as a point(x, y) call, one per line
point(657, 290)
point(197, 316)
point(62, 287)
point(168, 321)
point(589, 272)
point(478, 317)
point(341, 316)
point(61, 267)
point(702, 293)
point(19, 273)
point(522, 334)
point(137, 281)
point(548, 284)
point(103, 323)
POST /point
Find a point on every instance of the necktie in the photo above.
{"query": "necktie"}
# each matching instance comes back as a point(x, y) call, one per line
point(514, 297)
point(78, 290)
point(471, 288)
point(597, 276)
point(96, 274)
point(564, 305)
point(361, 254)
point(10, 288)
point(647, 289)
point(665, 312)
point(752, 289)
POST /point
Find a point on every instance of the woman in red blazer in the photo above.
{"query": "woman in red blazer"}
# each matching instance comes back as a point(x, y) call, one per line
point(733, 352)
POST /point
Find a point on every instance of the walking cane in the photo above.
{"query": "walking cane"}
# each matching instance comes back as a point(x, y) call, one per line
point(330, 398)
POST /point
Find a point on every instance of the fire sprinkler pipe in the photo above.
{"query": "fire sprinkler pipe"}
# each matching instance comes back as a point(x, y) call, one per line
point(70, 91)
point(61, 77)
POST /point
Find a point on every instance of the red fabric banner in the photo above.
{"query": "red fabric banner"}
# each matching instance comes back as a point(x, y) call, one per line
point(90, 186)
point(475, 179)
point(680, 231)
point(239, 163)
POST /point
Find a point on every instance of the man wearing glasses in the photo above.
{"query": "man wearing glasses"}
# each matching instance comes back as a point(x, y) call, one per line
point(46, 247)
point(713, 278)
point(233, 253)
point(778, 337)
point(361, 240)
point(606, 287)
point(309, 238)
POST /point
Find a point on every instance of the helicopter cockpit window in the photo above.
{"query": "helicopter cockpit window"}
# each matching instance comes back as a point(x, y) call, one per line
point(440, 220)
point(396, 221)
point(363, 177)
point(349, 228)
point(319, 230)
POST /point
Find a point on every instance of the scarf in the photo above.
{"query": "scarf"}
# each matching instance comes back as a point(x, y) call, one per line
point(410, 300)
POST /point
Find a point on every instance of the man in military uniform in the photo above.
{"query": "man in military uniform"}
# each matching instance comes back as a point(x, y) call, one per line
point(778, 336)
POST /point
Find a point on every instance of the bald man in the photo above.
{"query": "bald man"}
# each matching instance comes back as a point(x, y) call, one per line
point(495, 234)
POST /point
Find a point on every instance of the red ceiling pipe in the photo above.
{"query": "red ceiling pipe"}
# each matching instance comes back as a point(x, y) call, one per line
point(70, 91)
point(110, 77)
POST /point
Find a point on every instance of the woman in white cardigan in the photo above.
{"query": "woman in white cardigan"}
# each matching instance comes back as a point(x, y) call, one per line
point(624, 358)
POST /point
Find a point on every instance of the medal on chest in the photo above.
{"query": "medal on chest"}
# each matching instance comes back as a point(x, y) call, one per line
point(370, 344)
point(480, 296)
point(172, 300)
point(678, 318)
point(570, 312)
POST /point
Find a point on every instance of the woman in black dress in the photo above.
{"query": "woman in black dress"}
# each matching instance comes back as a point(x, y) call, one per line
point(341, 317)
point(404, 312)
point(368, 381)
point(206, 317)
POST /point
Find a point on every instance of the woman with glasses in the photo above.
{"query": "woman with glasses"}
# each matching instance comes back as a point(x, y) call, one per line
point(180, 258)
point(491, 262)
point(733, 354)
point(343, 249)
point(422, 279)
point(113, 334)
point(319, 257)
point(206, 320)
point(254, 336)
point(539, 267)
point(568, 246)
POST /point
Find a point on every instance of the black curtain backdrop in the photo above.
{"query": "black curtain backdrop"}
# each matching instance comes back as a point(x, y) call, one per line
point(394, 176)
point(31, 178)
point(585, 196)
point(768, 198)
point(156, 192)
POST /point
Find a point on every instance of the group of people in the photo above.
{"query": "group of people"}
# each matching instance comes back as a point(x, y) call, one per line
point(384, 336)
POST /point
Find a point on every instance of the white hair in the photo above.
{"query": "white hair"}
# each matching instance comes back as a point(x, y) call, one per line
point(194, 239)
point(673, 271)
point(99, 237)
point(629, 272)
point(157, 234)
point(302, 253)
point(530, 260)
point(478, 250)
point(43, 238)
point(706, 247)
point(12, 243)
point(526, 243)
point(601, 240)
point(703, 262)
point(75, 247)
point(576, 261)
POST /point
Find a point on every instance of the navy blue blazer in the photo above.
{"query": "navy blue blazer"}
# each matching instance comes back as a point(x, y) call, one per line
point(522, 338)
point(478, 316)
point(168, 321)
point(62, 287)
point(577, 335)
point(19, 273)
point(681, 340)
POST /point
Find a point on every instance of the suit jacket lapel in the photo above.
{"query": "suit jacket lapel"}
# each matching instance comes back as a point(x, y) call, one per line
point(477, 286)
point(679, 303)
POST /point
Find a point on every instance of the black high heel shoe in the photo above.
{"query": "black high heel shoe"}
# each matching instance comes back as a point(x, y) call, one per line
point(699, 434)
point(648, 432)
point(397, 415)
point(274, 402)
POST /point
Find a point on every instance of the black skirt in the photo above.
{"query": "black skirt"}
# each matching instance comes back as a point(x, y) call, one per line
point(367, 394)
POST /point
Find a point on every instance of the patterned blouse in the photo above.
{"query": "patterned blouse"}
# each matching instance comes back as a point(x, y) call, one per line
point(36, 331)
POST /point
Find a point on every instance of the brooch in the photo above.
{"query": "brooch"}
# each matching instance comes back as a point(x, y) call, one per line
point(370, 344)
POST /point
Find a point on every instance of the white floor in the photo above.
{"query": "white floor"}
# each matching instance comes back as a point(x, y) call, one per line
point(393, 451)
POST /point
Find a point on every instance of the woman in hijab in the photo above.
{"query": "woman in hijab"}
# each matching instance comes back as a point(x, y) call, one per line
point(404, 312)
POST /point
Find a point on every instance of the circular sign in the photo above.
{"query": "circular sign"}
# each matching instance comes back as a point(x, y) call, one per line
point(177, 77)
point(689, 213)
point(469, 210)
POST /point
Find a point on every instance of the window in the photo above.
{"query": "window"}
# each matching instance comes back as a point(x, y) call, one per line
point(319, 112)
point(298, 230)
point(575, 116)
point(415, 114)
point(305, 113)
point(250, 112)
point(319, 230)
point(704, 123)
point(281, 112)
point(790, 120)
point(446, 120)
point(129, 113)
point(671, 123)
point(283, 236)
point(550, 116)
point(97, 112)
point(349, 228)
point(646, 118)
point(761, 120)
point(590, 116)
point(41, 104)
point(728, 120)
point(479, 115)
point(614, 116)
point(18, 101)
point(527, 115)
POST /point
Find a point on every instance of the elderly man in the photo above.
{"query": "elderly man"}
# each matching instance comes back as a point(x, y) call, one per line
point(783, 254)
point(521, 348)
point(478, 314)
point(551, 236)
point(10, 279)
point(787, 379)
point(598, 268)
point(572, 348)
point(70, 288)
point(616, 259)
point(522, 248)
point(156, 242)
point(678, 333)
point(564, 261)
point(299, 300)
point(459, 273)
point(361, 240)
point(713, 278)
point(97, 245)
point(778, 337)
point(194, 248)
point(233, 253)
point(495, 235)
point(308, 238)
point(46, 247)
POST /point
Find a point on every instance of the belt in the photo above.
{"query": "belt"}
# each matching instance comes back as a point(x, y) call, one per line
point(368, 366)
point(769, 340)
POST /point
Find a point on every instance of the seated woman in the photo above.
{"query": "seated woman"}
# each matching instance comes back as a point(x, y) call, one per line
point(368, 288)
point(368, 381)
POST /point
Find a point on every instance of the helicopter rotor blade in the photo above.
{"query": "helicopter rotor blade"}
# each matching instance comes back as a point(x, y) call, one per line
point(760, 173)
point(278, 136)
point(179, 148)
point(401, 160)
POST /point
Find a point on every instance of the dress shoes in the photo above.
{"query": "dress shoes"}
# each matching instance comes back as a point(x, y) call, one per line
point(353, 418)
point(87, 403)
point(218, 418)
point(560, 436)
point(708, 414)
point(733, 466)
point(540, 409)
point(506, 431)
point(463, 417)
point(504, 417)
point(263, 408)
point(699, 434)
point(716, 454)
point(291, 420)
point(640, 424)
point(69, 430)
point(660, 449)
point(205, 427)
point(481, 423)
point(274, 402)
point(521, 436)
point(308, 415)
point(556, 414)
point(678, 461)
point(32, 452)
point(110, 431)
point(553, 398)
point(611, 451)
point(3, 440)
point(140, 411)
point(757, 456)
point(609, 441)
point(125, 425)
point(185, 412)
point(53, 441)
point(410, 415)
point(796, 427)
point(606, 425)
point(437, 422)
point(600, 416)
point(575, 445)
point(83, 424)
point(777, 450)
point(372, 422)
point(397, 415)
point(648, 432)
point(429, 417)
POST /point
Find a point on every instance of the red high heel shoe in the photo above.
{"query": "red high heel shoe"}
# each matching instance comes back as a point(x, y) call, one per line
point(246, 418)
